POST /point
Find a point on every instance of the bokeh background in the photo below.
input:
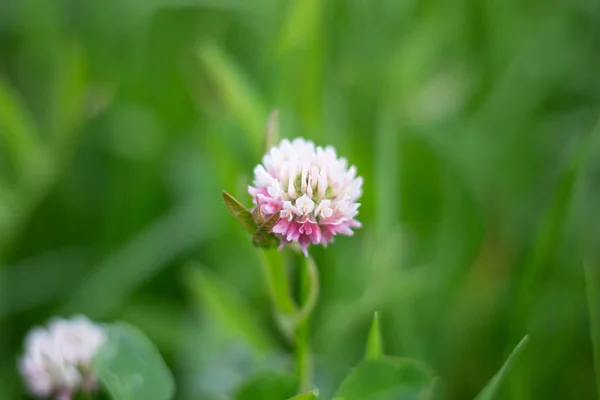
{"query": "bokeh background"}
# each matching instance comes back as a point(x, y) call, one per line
point(471, 121)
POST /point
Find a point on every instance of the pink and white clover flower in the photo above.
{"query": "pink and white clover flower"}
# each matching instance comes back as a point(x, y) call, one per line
point(314, 192)
point(58, 359)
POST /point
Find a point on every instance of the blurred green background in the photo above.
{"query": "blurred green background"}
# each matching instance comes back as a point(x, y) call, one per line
point(471, 121)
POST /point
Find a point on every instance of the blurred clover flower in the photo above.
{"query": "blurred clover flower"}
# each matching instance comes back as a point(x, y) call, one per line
point(311, 189)
point(58, 359)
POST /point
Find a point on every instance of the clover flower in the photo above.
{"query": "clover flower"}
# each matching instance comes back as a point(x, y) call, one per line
point(58, 359)
point(313, 191)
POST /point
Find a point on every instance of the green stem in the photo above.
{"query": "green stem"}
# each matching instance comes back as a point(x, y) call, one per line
point(592, 280)
point(277, 282)
point(304, 362)
point(294, 320)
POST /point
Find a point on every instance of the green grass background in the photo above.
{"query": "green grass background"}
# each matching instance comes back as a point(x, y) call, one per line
point(473, 123)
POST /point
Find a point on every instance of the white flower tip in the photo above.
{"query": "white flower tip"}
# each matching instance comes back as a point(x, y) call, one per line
point(305, 205)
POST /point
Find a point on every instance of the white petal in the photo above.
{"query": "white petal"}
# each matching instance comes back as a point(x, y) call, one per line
point(305, 204)
point(291, 191)
point(322, 184)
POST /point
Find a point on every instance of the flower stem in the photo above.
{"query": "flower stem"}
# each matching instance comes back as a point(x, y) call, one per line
point(308, 293)
point(277, 282)
point(293, 319)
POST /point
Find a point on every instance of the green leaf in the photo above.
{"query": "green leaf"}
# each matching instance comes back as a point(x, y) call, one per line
point(263, 237)
point(374, 342)
point(387, 378)
point(307, 396)
point(491, 389)
point(129, 367)
point(268, 386)
point(241, 213)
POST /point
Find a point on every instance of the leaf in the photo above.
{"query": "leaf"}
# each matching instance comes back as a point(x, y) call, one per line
point(129, 367)
point(387, 378)
point(241, 213)
point(268, 386)
point(374, 341)
point(307, 396)
point(263, 236)
point(491, 389)
point(272, 132)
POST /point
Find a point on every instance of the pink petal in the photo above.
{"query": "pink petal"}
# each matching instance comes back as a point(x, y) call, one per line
point(281, 227)
point(315, 235)
point(293, 232)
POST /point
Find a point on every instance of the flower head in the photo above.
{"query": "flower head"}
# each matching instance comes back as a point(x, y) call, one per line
point(313, 191)
point(58, 359)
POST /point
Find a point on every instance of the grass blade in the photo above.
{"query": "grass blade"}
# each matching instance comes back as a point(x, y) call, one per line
point(224, 304)
point(237, 93)
point(491, 389)
point(19, 128)
point(272, 133)
point(374, 341)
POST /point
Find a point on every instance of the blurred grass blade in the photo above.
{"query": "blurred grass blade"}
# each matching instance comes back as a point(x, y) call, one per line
point(241, 213)
point(301, 24)
point(306, 396)
point(272, 132)
point(592, 283)
point(129, 367)
point(237, 94)
point(552, 227)
point(374, 341)
point(263, 236)
point(491, 389)
point(18, 129)
point(167, 238)
point(68, 98)
point(228, 309)
point(160, 319)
